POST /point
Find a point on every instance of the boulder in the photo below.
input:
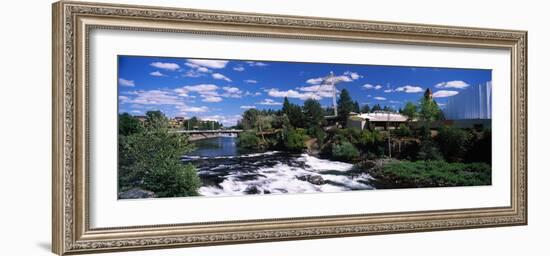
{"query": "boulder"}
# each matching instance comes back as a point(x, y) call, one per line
point(136, 193)
point(251, 189)
point(313, 179)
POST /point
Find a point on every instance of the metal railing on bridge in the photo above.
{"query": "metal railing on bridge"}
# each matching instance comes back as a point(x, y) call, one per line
point(208, 131)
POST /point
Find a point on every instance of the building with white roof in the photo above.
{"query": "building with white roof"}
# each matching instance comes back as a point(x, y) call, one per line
point(376, 120)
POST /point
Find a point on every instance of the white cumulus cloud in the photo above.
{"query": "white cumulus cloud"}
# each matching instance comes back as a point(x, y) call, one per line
point(293, 94)
point(197, 68)
point(379, 98)
point(409, 89)
point(185, 109)
point(353, 75)
point(444, 93)
point(270, 102)
point(239, 68)
point(231, 92)
point(256, 64)
point(347, 76)
point(226, 120)
point(157, 73)
point(372, 86)
point(247, 107)
point(216, 64)
point(125, 82)
point(457, 84)
point(220, 77)
point(166, 65)
point(207, 98)
point(201, 88)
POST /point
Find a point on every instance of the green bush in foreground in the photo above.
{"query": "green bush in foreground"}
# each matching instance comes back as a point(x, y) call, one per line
point(150, 159)
point(345, 151)
point(437, 173)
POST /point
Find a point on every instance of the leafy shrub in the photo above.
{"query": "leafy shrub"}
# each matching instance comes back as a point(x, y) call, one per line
point(423, 132)
point(480, 150)
point(294, 140)
point(318, 133)
point(438, 173)
point(453, 143)
point(371, 142)
point(173, 180)
point(429, 150)
point(402, 131)
point(128, 124)
point(248, 140)
point(344, 151)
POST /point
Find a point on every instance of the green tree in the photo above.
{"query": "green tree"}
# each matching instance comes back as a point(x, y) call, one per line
point(191, 123)
point(429, 110)
point(249, 119)
point(294, 114)
point(356, 108)
point(410, 110)
point(286, 106)
point(376, 107)
point(314, 113)
point(156, 120)
point(263, 122)
point(365, 109)
point(345, 105)
point(248, 140)
point(150, 159)
point(128, 124)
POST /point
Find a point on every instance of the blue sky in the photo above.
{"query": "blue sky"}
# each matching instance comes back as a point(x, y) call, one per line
point(223, 89)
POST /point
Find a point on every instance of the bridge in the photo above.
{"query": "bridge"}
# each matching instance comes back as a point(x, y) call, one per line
point(232, 131)
point(205, 134)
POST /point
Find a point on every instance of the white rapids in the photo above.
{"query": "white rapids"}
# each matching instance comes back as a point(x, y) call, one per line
point(287, 176)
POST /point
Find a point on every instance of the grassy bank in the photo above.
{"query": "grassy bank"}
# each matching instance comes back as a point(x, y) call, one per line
point(407, 174)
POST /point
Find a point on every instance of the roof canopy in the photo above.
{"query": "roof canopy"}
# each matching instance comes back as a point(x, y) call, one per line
point(382, 116)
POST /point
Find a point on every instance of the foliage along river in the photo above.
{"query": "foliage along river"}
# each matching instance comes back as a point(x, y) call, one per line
point(224, 171)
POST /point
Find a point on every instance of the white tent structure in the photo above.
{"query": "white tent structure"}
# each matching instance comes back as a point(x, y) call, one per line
point(472, 103)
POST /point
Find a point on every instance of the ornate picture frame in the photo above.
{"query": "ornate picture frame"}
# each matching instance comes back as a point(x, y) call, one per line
point(72, 23)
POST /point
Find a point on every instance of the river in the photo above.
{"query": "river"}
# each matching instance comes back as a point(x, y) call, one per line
point(224, 171)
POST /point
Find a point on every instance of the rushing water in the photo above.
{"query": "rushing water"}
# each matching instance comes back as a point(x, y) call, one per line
point(224, 171)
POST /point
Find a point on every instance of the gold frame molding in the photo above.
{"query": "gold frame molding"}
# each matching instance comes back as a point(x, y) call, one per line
point(72, 22)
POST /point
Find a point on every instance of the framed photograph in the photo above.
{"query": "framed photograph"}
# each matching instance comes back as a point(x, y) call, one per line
point(179, 127)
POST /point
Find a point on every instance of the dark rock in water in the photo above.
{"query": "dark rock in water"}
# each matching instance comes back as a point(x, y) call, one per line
point(136, 193)
point(281, 190)
point(302, 178)
point(317, 180)
point(251, 189)
point(313, 179)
